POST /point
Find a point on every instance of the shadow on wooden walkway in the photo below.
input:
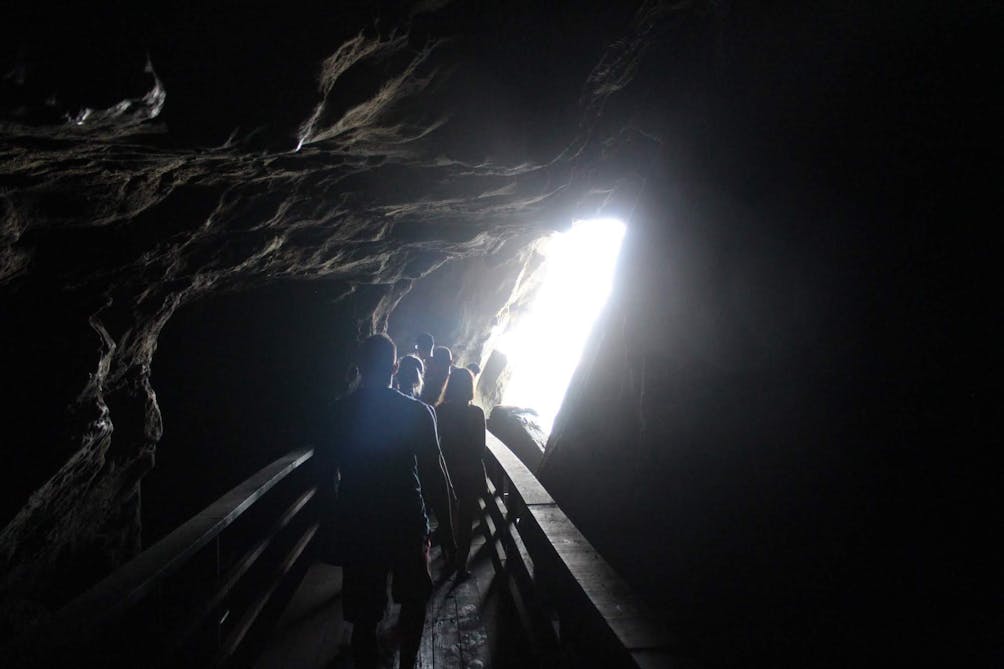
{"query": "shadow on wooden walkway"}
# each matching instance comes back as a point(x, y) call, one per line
point(470, 623)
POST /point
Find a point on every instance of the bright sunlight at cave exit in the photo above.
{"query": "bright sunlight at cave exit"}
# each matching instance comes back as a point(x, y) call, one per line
point(545, 344)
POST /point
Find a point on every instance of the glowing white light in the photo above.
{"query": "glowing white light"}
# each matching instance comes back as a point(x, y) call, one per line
point(546, 344)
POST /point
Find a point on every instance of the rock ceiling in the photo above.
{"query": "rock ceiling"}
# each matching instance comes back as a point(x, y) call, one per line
point(144, 171)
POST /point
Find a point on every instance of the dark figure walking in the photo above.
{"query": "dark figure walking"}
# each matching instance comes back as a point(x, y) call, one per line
point(423, 347)
point(462, 434)
point(437, 371)
point(408, 378)
point(382, 442)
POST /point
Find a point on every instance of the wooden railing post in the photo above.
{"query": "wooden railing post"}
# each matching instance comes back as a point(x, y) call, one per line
point(97, 628)
point(569, 598)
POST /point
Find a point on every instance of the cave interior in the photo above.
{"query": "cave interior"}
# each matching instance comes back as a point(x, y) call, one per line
point(778, 428)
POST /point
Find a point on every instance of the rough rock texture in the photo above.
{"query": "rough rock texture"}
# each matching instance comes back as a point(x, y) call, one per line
point(366, 146)
point(778, 431)
point(792, 332)
point(244, 377)
point(518, 429)
point(467, 302)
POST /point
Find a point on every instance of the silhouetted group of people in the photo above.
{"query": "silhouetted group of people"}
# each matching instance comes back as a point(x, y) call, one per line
point(408, 438)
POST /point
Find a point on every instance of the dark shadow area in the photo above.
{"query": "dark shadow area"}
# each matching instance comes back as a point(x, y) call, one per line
point(241, 379)
point(785, 433)
point(781, 439)
point(38, 394)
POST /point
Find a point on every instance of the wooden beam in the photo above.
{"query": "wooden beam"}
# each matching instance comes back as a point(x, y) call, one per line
point(237, 635)
point(127, 585)
point(237, 572)
point(524, 483)
point(586, 584)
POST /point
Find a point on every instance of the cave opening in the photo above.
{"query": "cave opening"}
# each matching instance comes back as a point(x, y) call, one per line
point(544, 346)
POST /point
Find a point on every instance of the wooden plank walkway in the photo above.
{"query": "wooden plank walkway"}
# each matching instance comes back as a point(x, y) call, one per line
point(469, 624)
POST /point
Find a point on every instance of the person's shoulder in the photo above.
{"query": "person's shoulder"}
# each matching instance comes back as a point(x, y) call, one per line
point(341, 404)
point(347, 402)
point(399, 398)
point(351, 396)
point(411, 405)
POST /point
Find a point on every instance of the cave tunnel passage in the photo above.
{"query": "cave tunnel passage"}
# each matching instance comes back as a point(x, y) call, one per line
point(545, 346)
point(241, 378)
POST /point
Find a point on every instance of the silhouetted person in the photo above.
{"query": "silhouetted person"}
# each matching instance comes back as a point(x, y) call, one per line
point(408, 379)
point(423, 347)
point(474, 368)
point(436, 372)
point(382, 442)
point(462, 436)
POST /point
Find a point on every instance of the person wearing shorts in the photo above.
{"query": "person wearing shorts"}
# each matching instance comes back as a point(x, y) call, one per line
point(384, 445)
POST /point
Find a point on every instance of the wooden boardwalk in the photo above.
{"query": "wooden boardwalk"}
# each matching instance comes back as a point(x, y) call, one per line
point(576, 609)
point(470, 624)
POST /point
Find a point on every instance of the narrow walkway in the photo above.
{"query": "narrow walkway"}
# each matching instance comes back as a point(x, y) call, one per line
point(470, 624)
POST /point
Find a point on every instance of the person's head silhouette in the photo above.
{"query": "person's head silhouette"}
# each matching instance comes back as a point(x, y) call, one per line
point(460, 387)
point(409, 375)
point(423, 345)
point(436, 372)
point(376, 359)
point(442, 358)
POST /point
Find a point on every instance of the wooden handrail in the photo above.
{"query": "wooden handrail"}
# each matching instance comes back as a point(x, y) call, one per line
point(565, 569)
point(250, 617)
point(568, 597)
point(229, 581)
point(106, 601)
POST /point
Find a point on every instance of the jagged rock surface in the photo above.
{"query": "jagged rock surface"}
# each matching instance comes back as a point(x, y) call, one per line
point(413, 146)
point(519, 429)
point(769, 434)
point(487, 293)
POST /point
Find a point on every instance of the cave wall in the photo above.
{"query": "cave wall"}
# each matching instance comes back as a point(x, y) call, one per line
point(246, 376)
point(790, 334)
point(467, 302)
point(243, 378)
point(776, 436)
point(155, 157)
